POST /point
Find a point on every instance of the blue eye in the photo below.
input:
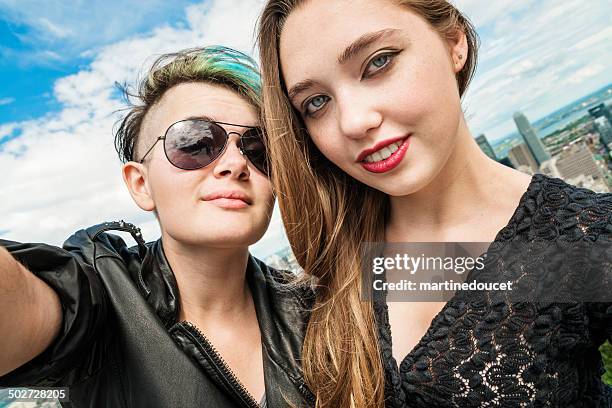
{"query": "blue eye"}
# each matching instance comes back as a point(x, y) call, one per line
point(379, 63)
point(316, 103)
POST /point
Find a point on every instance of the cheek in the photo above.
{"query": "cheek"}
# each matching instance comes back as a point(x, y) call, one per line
point(413, 94)
point(161, 190)
point(423, 83)
point(173, 190)
point(331, 145)
point(263, 190)
point(173, 201)
point(428, 104)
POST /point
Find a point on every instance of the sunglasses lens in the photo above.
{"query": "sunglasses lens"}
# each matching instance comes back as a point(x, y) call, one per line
point(193, 144)
point(254, 148)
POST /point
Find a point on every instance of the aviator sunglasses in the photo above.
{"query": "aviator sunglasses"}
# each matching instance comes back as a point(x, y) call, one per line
point(191, 144)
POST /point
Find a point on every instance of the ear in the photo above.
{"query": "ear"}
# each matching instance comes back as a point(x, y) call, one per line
point(459, 50)
point(135, 178)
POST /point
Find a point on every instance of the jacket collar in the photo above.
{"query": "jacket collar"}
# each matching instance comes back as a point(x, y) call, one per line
point(282, 308)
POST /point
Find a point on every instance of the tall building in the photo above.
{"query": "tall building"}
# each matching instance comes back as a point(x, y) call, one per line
point(538, 151)
point(576, 166)
point(486, 147)
point(601, 110)
point(520, 156)
point(603, 122)
point(576, 160)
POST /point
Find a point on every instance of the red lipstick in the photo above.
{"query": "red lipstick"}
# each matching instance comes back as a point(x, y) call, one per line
point(390, 162)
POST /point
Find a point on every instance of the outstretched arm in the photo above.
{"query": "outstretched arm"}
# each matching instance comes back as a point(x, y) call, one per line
point(30, 314)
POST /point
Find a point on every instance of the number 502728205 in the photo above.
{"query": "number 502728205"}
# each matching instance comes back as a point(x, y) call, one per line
point(35, 394)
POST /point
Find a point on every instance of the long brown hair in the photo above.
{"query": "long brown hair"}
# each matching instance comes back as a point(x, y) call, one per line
point(328, 215)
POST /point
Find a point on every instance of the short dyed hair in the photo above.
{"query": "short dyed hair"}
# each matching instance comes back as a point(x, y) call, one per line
point(216, 65)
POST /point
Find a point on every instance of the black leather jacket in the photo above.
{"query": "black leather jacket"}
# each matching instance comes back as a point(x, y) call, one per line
point(121, 345)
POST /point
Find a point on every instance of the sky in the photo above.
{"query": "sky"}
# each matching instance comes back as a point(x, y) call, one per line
point(60, 61)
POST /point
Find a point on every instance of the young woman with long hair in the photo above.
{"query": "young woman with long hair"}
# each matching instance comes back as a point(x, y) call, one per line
point(369, 143)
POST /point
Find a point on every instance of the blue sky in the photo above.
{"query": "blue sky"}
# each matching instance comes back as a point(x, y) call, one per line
point(60, 59)
point(44, 41)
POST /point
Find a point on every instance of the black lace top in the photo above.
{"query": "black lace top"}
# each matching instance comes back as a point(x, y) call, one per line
point(483, 353)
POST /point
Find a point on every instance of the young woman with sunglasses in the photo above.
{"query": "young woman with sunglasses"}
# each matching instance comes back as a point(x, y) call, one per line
point(362, 105)
point(191, 319)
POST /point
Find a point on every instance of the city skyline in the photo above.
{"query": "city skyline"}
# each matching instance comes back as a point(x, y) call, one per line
point(551, 119)
point(578, 151)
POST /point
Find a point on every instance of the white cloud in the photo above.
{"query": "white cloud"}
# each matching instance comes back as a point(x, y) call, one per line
point(584, 73)
point(6, 101)
point(535, 57)
point(482, 14)
point(599, 39)
point(70, 29)
point(7, 129)
point(53, 29)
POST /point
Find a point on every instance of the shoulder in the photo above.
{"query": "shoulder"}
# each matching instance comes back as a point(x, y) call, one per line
point(298, 286)
point(556, 205)
point(555, 191)
point(98, 240)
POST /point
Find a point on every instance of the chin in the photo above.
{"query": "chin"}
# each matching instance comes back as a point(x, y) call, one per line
point(229, 231)
point(397, 190)
point(229, 235)
point(409, 181)
point(400, 184)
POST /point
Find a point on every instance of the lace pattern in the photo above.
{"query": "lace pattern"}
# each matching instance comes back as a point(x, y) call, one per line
point(485, 352)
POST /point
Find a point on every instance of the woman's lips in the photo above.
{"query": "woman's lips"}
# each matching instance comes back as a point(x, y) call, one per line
point(231, 203)
point(231, 199)
point(390, 162)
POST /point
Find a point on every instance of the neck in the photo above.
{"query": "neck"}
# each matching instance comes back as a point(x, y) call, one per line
point(469, 186)
point(211, 281)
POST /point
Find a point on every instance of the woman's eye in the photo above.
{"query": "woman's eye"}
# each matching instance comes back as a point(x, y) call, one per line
point(316, 103)
point(378, 63)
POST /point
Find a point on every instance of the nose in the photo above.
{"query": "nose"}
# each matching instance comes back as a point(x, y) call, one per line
point(232, 162)
point(357, 115)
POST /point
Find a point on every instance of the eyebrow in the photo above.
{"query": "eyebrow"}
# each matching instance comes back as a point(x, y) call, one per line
point(349, 52)
point(363, 42)
point(299, 88)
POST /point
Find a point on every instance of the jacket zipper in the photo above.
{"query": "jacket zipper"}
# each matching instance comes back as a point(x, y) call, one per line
point(220, 364)
point(310, 397)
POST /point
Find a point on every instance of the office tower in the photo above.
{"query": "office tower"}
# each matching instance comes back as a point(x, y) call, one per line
point(601, 110)
point(603, 122)
point(486, 147)
point(538, 151)
point(576, 165)
point(576, 160)
point(520, 156)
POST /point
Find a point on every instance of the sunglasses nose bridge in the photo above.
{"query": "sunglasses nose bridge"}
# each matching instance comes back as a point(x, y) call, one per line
point(234, 133)
point(240, 148)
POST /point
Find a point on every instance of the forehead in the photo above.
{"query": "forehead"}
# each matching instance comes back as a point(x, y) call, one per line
point(195, 100)
point(317, 31)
